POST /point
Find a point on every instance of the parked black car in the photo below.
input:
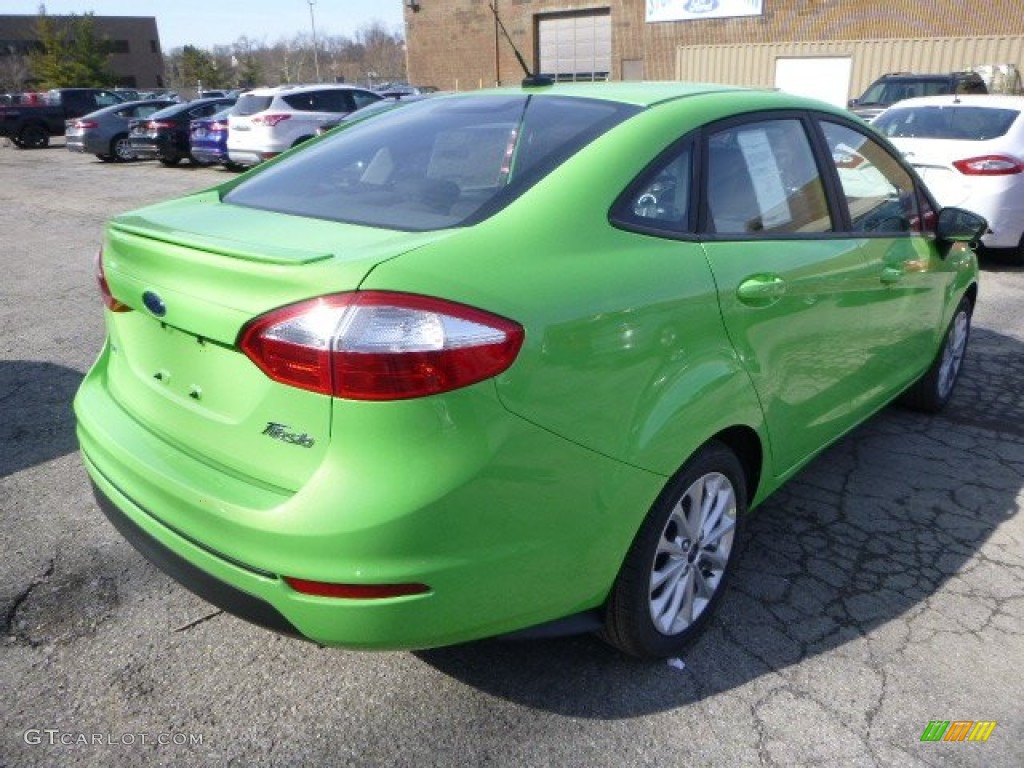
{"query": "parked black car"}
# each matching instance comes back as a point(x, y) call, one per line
point(896, 86)
point(165, 134)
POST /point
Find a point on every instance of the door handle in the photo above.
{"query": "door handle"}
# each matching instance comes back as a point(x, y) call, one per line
point(761, 290)
point(891, 275)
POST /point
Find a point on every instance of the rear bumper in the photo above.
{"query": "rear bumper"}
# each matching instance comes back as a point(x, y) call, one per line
point(220, 593)
point(508, 525)
point(209, 154)
point(249, 156)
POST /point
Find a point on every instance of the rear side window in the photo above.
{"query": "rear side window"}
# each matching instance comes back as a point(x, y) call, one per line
point(250, 104)
point(659, 201)
point(141, 110)
point(762, 178)
point(947, 122)
point(333, 100)
point(431, 165)
point(363, 98)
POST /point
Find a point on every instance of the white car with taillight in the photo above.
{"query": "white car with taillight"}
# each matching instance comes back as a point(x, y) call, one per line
point(969, 149)
point(267, 121)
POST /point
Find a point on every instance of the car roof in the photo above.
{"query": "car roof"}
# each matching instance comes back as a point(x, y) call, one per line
point(995, 101)
point(305, 88)
point(652, 93)
point(134, 103)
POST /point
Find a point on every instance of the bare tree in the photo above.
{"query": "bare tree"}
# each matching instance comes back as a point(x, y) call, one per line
point(14, 72)
point(249, 63)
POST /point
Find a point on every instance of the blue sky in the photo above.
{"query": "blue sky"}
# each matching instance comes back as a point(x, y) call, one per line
point(206, 23)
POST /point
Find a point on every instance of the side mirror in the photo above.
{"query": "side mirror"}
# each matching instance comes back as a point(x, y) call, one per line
point(955, 225)
point(851, 103)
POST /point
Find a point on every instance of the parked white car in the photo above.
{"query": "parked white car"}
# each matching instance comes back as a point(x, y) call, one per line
point(267, 121)
point(970, 152)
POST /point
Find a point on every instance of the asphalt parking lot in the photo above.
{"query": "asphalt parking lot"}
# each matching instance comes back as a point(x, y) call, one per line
point(881, 590)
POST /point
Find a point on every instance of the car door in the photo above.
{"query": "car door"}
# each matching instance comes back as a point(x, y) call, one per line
point(885, 210)
point(791, 284)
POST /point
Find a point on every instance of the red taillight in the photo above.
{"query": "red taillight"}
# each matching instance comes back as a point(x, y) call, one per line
point(269, 120)
point(376, 345)
point(218, 126)
point(156, 125)
point(355, 591)
point(86, 124)
point(990, 165)
point(108, 298)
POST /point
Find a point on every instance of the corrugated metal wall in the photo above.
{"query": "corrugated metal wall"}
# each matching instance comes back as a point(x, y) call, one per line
point(754, 64)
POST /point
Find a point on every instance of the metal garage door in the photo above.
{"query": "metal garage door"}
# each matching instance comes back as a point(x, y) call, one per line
point(575, 46)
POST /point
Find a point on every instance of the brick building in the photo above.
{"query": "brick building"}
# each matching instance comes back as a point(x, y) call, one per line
point(135, 56)
point(835, 46)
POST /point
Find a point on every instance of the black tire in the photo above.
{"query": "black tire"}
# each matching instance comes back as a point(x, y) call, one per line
point(234, 167)
point(105, 158)
point(121, 148)
point(680, 561)
point(934, 389)
point(169, 160)
point(33, 136)
point(301, 140)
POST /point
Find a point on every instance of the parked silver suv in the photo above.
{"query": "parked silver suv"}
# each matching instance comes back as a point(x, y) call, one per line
point(267, 121)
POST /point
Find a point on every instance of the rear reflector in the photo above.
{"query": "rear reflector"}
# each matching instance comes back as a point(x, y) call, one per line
point(355, 591)
point(377, 345)
point(990, 165)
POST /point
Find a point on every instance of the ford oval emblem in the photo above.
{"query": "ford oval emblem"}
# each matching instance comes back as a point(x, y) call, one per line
point(154, 304)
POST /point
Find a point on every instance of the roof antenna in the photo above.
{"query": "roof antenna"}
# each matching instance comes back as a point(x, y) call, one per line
point(531, 80)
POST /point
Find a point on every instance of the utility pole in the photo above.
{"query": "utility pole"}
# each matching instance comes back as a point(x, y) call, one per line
point(312, 26)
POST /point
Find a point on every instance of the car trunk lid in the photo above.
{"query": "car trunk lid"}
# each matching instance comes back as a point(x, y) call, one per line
point(192, 273)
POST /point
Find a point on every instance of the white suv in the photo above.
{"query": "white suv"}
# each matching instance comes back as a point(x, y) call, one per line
point(267, 121)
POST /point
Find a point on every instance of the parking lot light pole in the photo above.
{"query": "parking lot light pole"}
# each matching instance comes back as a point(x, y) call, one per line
point(312, 26)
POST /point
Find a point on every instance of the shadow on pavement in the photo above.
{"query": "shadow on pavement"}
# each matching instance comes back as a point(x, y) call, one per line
point(37, 423)
point(867, 532)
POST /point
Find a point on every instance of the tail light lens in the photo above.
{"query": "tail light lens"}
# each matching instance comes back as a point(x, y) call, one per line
point(156, 125)
point(990, 165)
point(269, 120)
point(377, 345)
point(220, 125)
point(108, 298)
point(82, 124)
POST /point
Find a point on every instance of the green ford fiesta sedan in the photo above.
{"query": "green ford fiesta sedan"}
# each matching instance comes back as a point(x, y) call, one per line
point(512, 361)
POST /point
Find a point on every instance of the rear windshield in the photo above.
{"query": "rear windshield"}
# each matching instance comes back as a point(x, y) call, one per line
point(431, 165)
point(946, 122)
point(249, 104)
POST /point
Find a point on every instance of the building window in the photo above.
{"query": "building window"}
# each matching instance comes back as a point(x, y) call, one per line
point(118, 46)
point(153, 47)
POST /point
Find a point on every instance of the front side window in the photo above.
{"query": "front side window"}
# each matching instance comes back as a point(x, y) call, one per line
point(107, 99)
point(762, 179)
point(879, 192)
point(434, 164)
